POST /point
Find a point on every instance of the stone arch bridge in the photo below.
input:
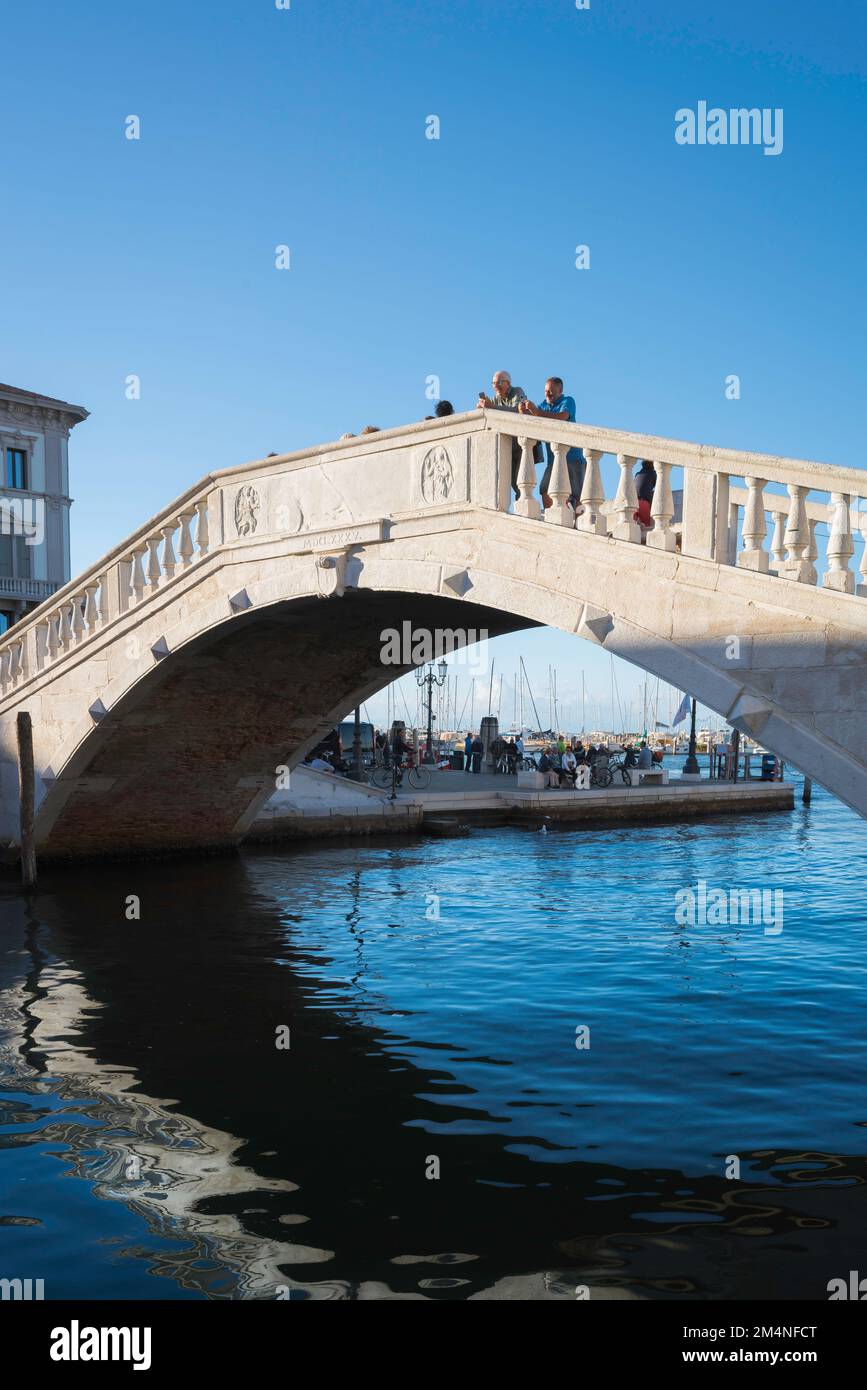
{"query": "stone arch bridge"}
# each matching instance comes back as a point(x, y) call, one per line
point(167, 683)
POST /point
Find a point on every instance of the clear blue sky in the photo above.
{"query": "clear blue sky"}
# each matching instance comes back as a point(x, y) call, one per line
point(411, 256)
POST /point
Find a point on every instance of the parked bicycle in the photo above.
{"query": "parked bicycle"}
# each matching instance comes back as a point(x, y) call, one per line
point(601, 774)
point(385, 777)
point(620, 765)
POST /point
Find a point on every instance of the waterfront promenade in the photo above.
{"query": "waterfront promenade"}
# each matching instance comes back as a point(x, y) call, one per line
point(320, 804)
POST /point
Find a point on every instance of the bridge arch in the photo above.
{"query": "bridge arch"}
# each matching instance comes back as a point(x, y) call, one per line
point(166, 696)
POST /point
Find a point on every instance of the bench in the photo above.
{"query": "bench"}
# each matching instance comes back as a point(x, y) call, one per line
point(637, 775)
point(534, 781)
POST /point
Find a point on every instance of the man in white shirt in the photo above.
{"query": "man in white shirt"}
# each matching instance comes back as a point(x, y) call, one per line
point(568, 768)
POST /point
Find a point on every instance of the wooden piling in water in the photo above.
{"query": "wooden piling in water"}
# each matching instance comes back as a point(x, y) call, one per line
point(808, 791)
point(27, 797)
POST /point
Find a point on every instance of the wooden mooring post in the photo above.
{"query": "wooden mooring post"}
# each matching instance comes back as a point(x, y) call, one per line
point(27, 790)
point(808, 791)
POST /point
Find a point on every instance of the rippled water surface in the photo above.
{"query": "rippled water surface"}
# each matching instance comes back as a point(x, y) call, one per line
point(155, 1142)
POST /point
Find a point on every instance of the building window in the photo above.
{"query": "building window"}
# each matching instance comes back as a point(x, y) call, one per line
point(14, 557)
point(16, 468)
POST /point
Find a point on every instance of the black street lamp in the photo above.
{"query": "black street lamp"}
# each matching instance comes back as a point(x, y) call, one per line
point(430, 680)
point(691, 766)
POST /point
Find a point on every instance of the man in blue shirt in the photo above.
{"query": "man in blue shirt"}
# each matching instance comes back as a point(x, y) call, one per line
point(556, 406)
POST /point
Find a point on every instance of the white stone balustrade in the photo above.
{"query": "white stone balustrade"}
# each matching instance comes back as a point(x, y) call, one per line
point(466, 461)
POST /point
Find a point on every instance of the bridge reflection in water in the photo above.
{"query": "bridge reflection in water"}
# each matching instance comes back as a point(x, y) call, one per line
point(160, 1132)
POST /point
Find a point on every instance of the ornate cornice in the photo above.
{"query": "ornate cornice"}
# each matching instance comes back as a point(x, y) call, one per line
point(41, 417)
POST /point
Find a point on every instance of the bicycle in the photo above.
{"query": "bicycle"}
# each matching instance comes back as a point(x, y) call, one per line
point(620, 765)
point(385, 777)
point(601, 774)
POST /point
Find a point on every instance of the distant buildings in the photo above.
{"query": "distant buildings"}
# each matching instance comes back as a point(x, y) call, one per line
point(34, 498)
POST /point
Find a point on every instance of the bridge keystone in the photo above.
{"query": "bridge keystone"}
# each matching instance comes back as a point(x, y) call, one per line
point(749, 714)
point(595, 624)
point(459, 582)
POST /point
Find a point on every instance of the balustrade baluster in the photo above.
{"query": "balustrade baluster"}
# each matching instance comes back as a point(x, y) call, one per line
point(125, 594)
point(18, 671)
point(54, 642)
point(138, 574)
point(5, 669)
point(107, 605)
point(527, 504)
point(169, 560)
point(202, 538)
point(592, 519)
point(153, 561)
point(755, 529)
point(798, 539)
point(560, 489)
point(66, 627)
point(626, 502)
point(78, 628)
point(41, 644)
point(778, 545)
point(91, 611)
point(185, 545)
point(841, 547)
point(662, 510)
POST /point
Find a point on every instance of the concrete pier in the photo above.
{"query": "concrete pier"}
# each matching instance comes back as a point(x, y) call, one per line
point(319, 804)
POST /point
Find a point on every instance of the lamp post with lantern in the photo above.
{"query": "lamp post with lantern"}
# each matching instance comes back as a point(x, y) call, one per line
point(430, 679)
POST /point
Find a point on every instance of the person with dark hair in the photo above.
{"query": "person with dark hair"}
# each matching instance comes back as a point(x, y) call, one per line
point(557, 406)
point(444, 408)
point(547, 768)
point(645, 483)
point(477, 749)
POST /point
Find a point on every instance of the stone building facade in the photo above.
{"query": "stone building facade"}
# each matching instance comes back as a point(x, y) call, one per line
point(34, 498)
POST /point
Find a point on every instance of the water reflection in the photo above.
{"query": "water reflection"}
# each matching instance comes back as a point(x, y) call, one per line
point(139, 1061)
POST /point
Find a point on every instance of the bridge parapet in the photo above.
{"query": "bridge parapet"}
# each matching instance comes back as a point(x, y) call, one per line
point(325, 499)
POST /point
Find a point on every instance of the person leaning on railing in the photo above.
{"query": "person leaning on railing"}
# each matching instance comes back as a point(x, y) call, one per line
point(557, 406)
point(508, 397)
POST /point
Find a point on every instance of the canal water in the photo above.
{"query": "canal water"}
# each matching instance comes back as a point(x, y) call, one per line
point(509, 1065)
